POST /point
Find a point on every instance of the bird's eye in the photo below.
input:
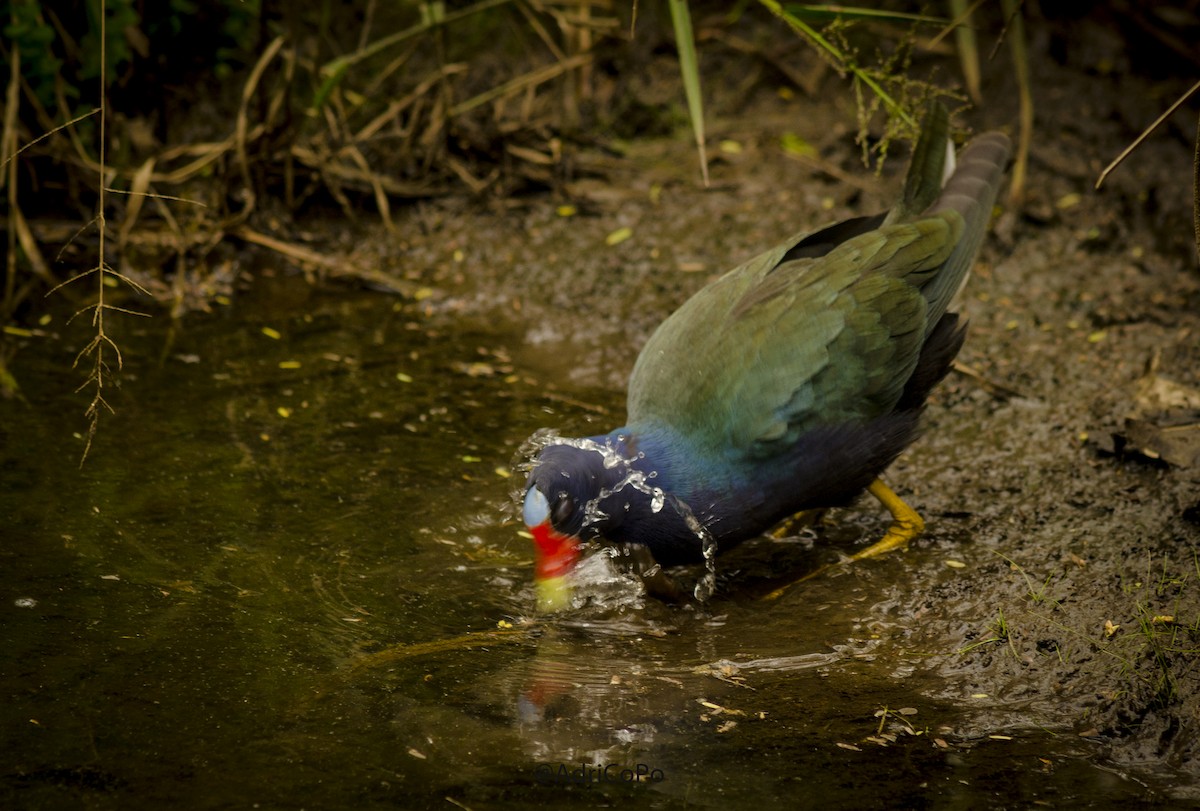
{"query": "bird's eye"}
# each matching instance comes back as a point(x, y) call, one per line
point(563, 509)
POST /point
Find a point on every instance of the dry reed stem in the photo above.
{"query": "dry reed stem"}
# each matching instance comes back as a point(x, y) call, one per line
point(8, 146)
point(337, 159)
point(137, 190)
point(397, 107)
point(968, 49)
point(1015, 27)
point(241, 126)
point(337, 67)
point(540, 31)
point(33, 251)
point(531, 79)
point(1146, 133)
point(381, 198)
point(294, 252)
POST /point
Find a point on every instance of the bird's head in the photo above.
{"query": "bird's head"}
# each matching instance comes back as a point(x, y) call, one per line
point(561, 497)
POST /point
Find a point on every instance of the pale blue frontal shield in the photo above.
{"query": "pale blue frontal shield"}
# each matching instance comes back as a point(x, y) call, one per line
point(537, 509)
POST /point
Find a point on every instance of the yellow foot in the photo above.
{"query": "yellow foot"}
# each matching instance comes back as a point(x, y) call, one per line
point(790, 526)
point(906, 525)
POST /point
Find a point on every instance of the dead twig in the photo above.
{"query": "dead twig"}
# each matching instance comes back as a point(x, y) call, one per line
point(1146, 134)
point(241, 125)
point(998, 390)
point(296, 253)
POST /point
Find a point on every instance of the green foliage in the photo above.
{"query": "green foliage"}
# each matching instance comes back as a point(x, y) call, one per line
point(883, 84)
point(27, 30)
point(60, 46)
point(121, 16)
point(239, 29)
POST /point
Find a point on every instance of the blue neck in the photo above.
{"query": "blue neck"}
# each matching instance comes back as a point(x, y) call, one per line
point(656, 453)
point(637, 512)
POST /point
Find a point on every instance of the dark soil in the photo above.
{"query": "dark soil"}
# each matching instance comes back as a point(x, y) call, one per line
point(1059, 576)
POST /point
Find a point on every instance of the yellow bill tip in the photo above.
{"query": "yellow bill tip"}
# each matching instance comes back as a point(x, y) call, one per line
point(553, 594)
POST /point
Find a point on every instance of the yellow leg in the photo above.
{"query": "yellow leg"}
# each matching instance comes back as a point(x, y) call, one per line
point(790, 526)
point(906, 525)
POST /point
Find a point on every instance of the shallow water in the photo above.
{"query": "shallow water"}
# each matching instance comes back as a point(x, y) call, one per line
point(302, 586)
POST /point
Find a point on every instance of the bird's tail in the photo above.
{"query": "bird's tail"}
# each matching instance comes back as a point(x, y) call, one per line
point(937, 180)
point(971, 191)
point(931, 164)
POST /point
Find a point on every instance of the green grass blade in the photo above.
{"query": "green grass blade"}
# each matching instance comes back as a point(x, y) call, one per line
point(838, 59)
point(1016, 43)
point(829, 12)
point(335, 69)
point(968, 48)
point(689, 66)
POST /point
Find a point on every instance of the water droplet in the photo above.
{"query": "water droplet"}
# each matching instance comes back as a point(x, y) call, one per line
point(708, 548)
point(657, 500)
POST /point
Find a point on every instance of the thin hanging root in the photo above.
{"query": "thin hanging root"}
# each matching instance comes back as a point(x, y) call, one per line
point(473, 639)
point(392, 654)
point(906, 525)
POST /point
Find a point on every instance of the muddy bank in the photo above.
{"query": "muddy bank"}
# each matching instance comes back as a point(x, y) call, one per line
point(289, 543)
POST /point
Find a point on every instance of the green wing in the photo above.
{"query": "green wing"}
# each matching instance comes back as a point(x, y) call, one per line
point(825, 328)
point(774, 348)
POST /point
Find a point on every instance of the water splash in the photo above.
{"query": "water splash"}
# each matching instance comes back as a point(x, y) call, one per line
point(604, 584)
point(708, 547)
point(523, 461)
point(614, 456)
